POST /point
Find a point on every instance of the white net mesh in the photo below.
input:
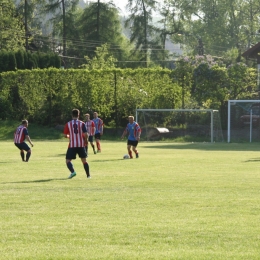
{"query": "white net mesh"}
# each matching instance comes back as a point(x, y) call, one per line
point(180, 124)
point(244, 121)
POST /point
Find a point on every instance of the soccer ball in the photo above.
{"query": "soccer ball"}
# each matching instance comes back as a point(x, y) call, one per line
point(126, 156)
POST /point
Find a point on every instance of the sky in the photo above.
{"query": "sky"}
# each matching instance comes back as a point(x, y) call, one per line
point(122, 4)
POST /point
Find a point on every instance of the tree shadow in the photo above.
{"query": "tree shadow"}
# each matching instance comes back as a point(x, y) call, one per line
point(207, 146)
point(253, 160)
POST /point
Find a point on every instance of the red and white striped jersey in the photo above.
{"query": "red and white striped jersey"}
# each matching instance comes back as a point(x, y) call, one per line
point(75, 129)
point(90, 125)
point(19, 134)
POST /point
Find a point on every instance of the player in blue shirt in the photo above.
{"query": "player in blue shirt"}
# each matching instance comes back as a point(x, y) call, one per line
point(134, 132)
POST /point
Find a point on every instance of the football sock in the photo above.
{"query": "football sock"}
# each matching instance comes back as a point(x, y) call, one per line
point(98, 145)
point(86, 167)
point(22, 155)
point(70, 167)
point(93, 147)
point(28, 156)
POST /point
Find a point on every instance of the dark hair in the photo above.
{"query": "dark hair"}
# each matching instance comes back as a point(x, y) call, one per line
point(24, 122)
point(75, 113)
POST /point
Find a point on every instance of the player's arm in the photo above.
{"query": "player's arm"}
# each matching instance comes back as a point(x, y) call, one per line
point(85, 134)
point(27, 137)
point(138, 135)
point(124, 133)
point(101, 127)
point(66, 131)
point(93, 128)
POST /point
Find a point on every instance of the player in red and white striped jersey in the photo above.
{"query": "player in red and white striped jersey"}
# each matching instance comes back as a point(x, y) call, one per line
point(90, 125)
point(76, 131)
point(20, 134)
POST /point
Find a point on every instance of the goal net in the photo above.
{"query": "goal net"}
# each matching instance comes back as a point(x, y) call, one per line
point(243, 121)
point(180, 124)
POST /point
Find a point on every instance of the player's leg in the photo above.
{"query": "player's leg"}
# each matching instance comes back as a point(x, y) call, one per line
point(83, 156)
point(97, 139)
point(129, 144)
point(90, 139)
point(26, 148)
point(134, 148)
point(21, 151)
point(71, 154)
point(22, 155)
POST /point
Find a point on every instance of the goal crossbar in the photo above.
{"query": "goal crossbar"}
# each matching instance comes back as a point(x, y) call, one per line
point(182, 110)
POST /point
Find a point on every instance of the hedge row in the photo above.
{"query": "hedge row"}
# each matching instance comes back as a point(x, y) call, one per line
point(47, 96)
point(20, 60)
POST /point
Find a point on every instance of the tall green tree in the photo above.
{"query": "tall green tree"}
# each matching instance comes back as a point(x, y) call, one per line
point(140, 24)
point(59, 8)
point(97, 24)
point(220, 25)
point(12, 28)
point(32, 15)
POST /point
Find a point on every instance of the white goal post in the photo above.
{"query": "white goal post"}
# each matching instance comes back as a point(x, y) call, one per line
point(182, 112)
point(243, 120)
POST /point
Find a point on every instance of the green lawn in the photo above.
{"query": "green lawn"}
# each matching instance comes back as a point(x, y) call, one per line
point(177, 201)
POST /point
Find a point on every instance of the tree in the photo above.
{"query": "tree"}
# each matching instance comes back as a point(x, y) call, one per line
point(11, 33)
point(140, 23)
point(31, 13)
point(102, 60)
point(87, 32)
point(59, 8)
point(220, 24)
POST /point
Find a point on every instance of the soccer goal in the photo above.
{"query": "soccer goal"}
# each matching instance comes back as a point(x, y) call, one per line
point(187, 124)
point(243, 121)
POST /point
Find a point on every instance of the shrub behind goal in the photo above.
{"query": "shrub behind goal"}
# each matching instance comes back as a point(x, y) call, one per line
point(184, 124)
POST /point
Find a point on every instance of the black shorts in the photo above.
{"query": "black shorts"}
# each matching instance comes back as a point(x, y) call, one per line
point(90, 138)
point(72, 152)
point(23, 146)
point(132, 143)
point(98, 136)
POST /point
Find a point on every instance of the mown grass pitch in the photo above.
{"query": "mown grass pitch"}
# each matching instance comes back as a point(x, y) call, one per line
point(177, 201)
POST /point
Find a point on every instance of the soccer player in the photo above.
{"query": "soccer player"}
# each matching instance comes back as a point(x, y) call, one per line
point(99, 130)
point(76, 131)
point(134, 132)
point(20, 135)
point(90, 125)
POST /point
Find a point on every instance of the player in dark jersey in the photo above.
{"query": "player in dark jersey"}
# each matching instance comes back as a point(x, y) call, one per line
point(20, 135)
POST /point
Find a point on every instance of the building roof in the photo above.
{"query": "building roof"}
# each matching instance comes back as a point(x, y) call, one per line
point(253, 52)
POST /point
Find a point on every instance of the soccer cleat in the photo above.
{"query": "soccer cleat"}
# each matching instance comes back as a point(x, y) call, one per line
point(73, 174)
point(136, 155)
point(98, 151)
point(89, 177)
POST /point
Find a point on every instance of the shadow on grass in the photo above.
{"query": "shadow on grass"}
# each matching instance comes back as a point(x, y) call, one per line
point(99, 161)
point(253, 160)
point(207, 146)
point(36, 181)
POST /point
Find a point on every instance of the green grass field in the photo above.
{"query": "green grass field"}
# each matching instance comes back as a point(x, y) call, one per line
point(177, 201)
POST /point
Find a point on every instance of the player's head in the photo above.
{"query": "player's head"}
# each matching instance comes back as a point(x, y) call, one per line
point(87, 116)
point(25, 122)
point(75, 113)
point(95, 114)
point(131, 119)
